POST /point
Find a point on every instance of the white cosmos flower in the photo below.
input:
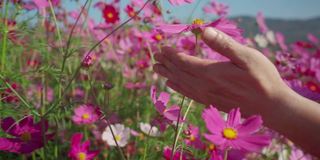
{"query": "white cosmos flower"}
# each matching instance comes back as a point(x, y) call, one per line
point(121, 133)
point(271, 37)
point(261, 41)
point(146, 128)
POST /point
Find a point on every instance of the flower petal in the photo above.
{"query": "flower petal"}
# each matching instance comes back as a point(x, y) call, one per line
point(234, 117)
point(250, 125)
point(214, 121)
point(171, 28)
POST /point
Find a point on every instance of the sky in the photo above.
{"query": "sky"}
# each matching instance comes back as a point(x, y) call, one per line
point(284, 9)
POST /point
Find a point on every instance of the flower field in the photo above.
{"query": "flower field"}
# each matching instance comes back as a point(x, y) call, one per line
point(75, 88)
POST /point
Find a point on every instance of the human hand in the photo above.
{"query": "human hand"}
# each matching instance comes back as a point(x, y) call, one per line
point(249, 81)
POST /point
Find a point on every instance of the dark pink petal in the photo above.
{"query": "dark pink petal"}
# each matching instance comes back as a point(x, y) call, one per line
point(41, 124)
point(172, 113)
point(160, 107)
point(8, 144)
point(234, 117)
point(8, 125)
point(172, 28)
point(76, 139)
point(153, 94)
point(26, 121)
point(86, 145)
point(31, 146)
point(213, 120)
point(92, 154)
point(251, 124)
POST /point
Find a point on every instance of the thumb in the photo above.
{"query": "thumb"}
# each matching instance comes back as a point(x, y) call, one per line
point(226, 46)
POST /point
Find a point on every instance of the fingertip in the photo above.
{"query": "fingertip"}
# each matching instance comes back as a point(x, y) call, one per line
point(209, 33)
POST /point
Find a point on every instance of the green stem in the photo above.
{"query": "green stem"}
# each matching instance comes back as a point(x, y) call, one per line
point(174, 145)
point(19, 96)
point(86, 134)
point(146, 144)
point(60, 43)
point(182, 123)
point(5, 37)
point(226, 154)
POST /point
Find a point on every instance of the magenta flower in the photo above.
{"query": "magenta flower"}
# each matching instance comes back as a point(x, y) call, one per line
point(219, 9)
point(222, 24)
point(177, 155)
point(179, 2)
point(193, 137)
point(161, 102)
point(233, 133)
point(86, 114)
point(80, 151)
point(27, 136)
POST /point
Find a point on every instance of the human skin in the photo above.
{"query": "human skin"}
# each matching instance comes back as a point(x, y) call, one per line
point(249, 81)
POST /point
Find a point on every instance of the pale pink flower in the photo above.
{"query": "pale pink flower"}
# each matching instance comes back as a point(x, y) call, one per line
point(179, 2)
point(219, 9)
point(86, 114)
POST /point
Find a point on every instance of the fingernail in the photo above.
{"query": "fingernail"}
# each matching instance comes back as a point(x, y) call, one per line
point(209, 32)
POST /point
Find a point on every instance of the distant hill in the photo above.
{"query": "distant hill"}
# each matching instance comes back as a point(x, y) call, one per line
point(293, 29)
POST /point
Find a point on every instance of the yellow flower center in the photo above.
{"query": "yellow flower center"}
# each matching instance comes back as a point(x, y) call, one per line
point(132, 13)
point(26, 136)
point(118, 138)
point(82, 156)
point(198, 21)
point(212, 147)
point(230, 133)
point(110, 15)
point(85, 116)
point(158, 37)
point(192, 138)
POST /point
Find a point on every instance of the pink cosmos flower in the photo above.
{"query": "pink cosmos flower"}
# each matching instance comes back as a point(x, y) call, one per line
point(179, 2)
point(135, 86)
point(219, 9)
point(80, 151)
point(86, 114)
point(233, 133)
point(26, 136)
point(222, 24)
point(261, 23)
point(193, 137)
point(161, 102)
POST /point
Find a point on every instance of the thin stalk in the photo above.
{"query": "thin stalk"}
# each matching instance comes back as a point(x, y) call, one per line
point(56, 23)
point(174, 145)
point(19, 96)
point(226, 154)
point(89, 53)
point(184, 118)
point(193, 10)
point(60, 43)
point(146, 145)
point(5, 37)
point(113, 136)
